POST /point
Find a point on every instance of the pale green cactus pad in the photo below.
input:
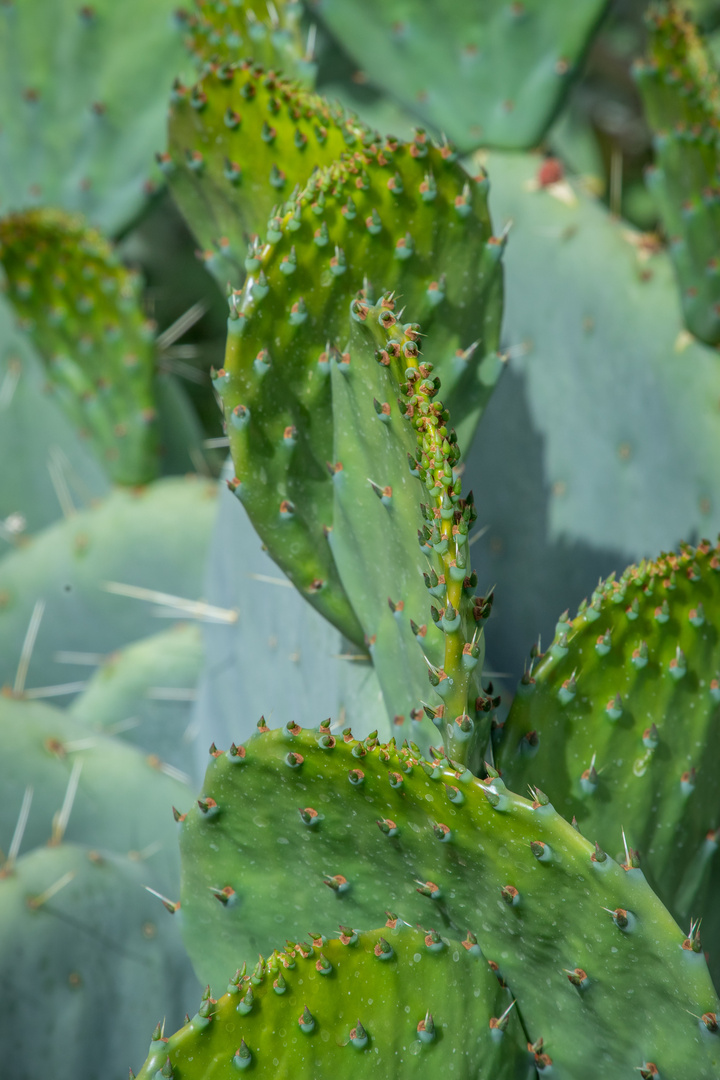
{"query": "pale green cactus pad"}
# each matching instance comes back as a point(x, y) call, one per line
point(490, 73)
point(87, 955)
point(83, 99)
point(153, 539)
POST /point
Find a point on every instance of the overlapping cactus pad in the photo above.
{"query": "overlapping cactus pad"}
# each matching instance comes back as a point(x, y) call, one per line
point(82, 309)
point(304, 829)
point(240, 140)
point(404, 218)
point(396, 1001)
point(619, 718)
point(490, 73)
point(681, 93)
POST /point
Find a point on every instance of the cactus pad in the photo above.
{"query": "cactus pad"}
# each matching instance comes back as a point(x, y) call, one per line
point(491, 73)
point(123, 800)
point(397, 999)
point(146, 691)
point(299, 829)
point(86, 956)
point(153, 538)
point(82, 309)
point(618, 719)
point(408, 219)
point(681, 94)
point(83, 99)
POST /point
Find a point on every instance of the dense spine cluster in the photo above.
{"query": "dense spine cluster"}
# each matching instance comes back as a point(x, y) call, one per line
point(463, 714)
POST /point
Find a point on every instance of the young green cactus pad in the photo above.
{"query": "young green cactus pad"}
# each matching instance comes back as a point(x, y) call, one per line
point(300, 828)
point(145, 693)
point(86, 956)
point(681, 94)
point(572, 467)
point(82, 309)
point(398, 1000)
point(618, 719)
point(220, 31)
point(82, 103)
point(409, 219)
point(377, 508)
point(490, 73)
point(153, 538)
point(88, 787)
point(240, 140)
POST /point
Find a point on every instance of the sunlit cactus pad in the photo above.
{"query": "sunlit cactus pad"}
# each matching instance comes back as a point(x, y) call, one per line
point(83, 98)
point(82, 308)
point(395, 1000)
point(490, 73)
point(302, 828)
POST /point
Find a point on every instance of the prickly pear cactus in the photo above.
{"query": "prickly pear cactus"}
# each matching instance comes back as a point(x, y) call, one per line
point(573, 477)
point(285, 334)
point(617, 718)
point(488, 74)
point(394, 999)
point(87, 787)
point(351, 828)
point(399, 445)
point(240, 140)
point(81, 941)
point(82, 103)
point(95, 580)
point(82, 310)
point(681, 94)
point(145, 692)
point(276, 650)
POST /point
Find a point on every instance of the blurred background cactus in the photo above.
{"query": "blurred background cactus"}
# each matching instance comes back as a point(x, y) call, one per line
point(343, 348)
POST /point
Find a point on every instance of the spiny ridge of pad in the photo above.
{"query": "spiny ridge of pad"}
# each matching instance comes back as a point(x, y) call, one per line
point(681, 95)
point(404, 562)
point(82, 309)
point(347, 829)
point(397, 999)
point(617, 720)
point(386, 217)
